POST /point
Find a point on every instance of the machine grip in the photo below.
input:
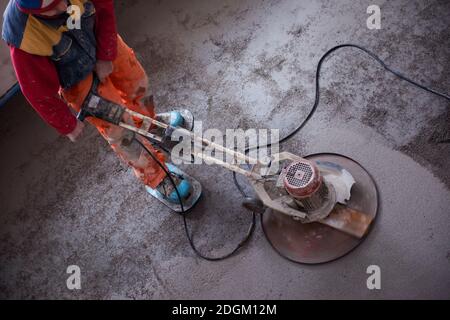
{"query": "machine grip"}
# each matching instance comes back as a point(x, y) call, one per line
point(82, 114)
point(101, 108)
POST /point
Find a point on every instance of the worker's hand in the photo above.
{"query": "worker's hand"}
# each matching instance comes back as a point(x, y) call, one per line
point(103, 69)
point(75, 134)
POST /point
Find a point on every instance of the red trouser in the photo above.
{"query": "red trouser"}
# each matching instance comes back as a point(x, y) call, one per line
point(127, 85)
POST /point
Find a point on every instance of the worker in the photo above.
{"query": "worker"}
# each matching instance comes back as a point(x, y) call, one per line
point(56, 62)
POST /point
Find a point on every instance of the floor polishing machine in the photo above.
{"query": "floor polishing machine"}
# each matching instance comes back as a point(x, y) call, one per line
point(316, 209)
point(313, 209)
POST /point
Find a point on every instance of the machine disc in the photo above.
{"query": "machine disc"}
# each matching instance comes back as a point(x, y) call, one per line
point(316, 243)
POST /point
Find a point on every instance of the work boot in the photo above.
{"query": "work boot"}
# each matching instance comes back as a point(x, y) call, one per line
point(173, 118)
point(176, 119)
point(182, 118)
point(166, 189)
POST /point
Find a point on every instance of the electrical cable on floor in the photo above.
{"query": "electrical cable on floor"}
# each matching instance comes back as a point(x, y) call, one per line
point(317, 95)
point(183, 213)
point(281, 141)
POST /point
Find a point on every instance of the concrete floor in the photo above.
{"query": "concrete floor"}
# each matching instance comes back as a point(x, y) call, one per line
point(64, 203)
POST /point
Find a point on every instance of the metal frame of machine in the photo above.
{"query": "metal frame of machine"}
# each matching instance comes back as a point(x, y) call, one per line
point(266, 178)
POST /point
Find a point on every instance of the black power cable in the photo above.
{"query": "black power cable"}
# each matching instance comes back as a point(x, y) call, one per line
point(183, 213)
point(317, 95)
point(281, 141)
